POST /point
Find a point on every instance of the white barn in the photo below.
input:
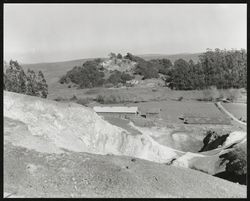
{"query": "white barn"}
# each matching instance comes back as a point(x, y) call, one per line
point(116, 111)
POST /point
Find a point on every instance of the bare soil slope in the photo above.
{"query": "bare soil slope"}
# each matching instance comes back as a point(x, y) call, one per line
point(28, 173)
point(77, 128)
point(45, 145)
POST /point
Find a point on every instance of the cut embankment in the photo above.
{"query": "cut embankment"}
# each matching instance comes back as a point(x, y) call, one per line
point(63, 150)
point(77, 128)
point(208, 162)
point(49, 126)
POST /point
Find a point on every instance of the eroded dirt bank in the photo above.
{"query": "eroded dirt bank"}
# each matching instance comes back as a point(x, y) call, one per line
point(63, 150)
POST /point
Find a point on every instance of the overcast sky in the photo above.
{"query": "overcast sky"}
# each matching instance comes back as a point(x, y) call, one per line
point(58, 32)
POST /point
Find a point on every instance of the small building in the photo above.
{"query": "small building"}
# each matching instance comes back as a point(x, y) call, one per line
point(117, 111)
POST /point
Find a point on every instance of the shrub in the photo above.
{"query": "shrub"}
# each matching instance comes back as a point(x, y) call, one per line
point(100, 99)
point(59, 98)
point(108, 85)
point(74, 98)
point(231, 94)
point(234, 94)
point(211, 94)
point(119, 56)
point(180, 98)
point(93, 91)
point(109, 99)
point(83, 101)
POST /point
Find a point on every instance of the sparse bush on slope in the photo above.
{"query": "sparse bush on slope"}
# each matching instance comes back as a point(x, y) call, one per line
point(15, 80)
point(110, 99)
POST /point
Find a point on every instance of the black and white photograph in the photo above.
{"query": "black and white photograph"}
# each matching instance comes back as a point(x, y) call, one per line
point(124, 100)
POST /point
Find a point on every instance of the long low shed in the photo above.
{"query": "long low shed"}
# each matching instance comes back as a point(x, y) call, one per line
point(123, 110)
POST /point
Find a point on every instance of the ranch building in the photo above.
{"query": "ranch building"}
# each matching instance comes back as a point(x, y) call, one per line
point(116, 111)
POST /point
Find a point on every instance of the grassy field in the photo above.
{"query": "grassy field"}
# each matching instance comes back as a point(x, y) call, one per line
point(237, 109)
point(53, 71)
point(172, 110)
point(186, 137)
point(130, 94)
point(169, 130)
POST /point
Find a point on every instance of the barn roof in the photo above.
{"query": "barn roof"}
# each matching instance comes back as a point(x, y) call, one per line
point(99, 109)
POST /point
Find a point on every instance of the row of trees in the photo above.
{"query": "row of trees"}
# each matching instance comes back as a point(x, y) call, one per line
point(16, 80)
point(221, 68)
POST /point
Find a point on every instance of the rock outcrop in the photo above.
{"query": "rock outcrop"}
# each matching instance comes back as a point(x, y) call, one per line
point(212, 141)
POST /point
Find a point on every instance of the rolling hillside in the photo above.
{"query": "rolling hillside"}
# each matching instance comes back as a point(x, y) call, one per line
point(53, 71)
point(172, 57)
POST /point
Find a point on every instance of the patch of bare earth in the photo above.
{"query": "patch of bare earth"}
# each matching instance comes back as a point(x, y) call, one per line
point(32, 174)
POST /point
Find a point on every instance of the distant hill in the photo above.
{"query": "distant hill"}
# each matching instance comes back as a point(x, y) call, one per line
point(54, 70)
point(172, 57)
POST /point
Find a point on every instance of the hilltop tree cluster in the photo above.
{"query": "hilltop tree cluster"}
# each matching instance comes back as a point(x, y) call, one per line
point(220, 68)
point(30, 83)
point(88, 75)
point(91, 74)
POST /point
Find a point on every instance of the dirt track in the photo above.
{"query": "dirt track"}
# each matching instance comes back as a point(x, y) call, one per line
point(218, 104)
